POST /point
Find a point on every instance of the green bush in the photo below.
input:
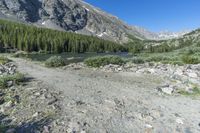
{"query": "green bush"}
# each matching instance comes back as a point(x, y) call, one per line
point(55, 61)
point(179, 63)
point(3, 60)
point(158, 58)
point(195, 92)
point(138, 60)
point(16, 78)
point(104, 60)
point(198, 44)
point(190, 59)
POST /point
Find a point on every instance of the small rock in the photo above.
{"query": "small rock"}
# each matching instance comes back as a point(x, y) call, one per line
point(166, 89)
point(35, 115)
point(37, 94)
point(11, 130)
point(52, 101)
point(46, 129)
point(1, 100)
point(83, 132)
point(9, 83)
point(179, 121)
point(148, 126)
point(9, 104)
point(192, 75)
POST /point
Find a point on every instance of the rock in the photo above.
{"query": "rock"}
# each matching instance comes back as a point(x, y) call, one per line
point(12, 130)
point(9, 84)
point(192, 75)
point(37, 94)
point(52, 101)
point(195, 67)
point(166, 89)
point(9, 104)
point(1, 100)
point(35, 115)
point(7, 69)
point(179, 121)
point(46, 129)
point(148, 126)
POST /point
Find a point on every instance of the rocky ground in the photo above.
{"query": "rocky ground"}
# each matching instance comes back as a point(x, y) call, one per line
point(26, 108)
point(111, 99)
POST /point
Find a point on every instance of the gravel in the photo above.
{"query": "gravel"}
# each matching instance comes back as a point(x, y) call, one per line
point(95, 100)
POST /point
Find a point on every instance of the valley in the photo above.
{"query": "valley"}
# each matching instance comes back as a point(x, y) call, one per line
point(67, 66)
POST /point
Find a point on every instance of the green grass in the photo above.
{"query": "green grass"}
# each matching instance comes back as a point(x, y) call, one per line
point(16, 78)
point(55, 61)
point(137, 60)
point(188, 59)
point(3, 128)
point(3, 60)
point(187, 55)
point(104, 60)
point(195, 92)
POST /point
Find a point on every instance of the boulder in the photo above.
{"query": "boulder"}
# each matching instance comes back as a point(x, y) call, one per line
point(167, 89)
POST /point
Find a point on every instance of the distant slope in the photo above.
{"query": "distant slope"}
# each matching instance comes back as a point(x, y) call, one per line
point(191, 39)
point(187, 40)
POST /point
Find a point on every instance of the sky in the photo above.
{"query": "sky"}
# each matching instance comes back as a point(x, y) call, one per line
point(154, 15)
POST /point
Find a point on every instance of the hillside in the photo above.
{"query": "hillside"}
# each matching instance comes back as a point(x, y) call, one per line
point(30, 38)
point(68, 15)
point(189, 40)
point(74, 16)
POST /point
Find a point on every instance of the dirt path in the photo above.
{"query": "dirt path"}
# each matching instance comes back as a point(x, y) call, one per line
point(101, 102)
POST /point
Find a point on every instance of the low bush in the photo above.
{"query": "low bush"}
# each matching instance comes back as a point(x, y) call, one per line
point(55, 61)
point(195, 92)
point(198, 44)
point(138, 60)
point(179, 63)
point(158, 58)
point(16, 79)
point(3, 60)
point(187, 59)
point(104, 60)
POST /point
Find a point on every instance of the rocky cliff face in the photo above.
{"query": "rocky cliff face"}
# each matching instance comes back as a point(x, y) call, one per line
point(71, 15)
point(68, 15)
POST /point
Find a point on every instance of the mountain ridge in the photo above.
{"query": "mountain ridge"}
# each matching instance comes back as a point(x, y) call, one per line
point(72, 15)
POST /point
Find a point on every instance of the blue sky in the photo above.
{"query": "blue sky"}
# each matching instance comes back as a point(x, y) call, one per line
point(155, 15)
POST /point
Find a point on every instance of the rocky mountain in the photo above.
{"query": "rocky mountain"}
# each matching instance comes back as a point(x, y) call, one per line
point(163, 35)
point(72, 15)
point(169, 35)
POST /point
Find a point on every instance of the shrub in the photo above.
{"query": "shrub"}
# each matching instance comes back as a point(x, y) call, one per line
point(198, 44)
point(55, 61)
point(102, 61)
point(179, 63)
point(195, 92)
point(3, 60)
point(157, 58)
point(138, 60)
point(16, 78)
point(190, 59)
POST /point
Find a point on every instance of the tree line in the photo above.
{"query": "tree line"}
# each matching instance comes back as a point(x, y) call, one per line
point(29, 38)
